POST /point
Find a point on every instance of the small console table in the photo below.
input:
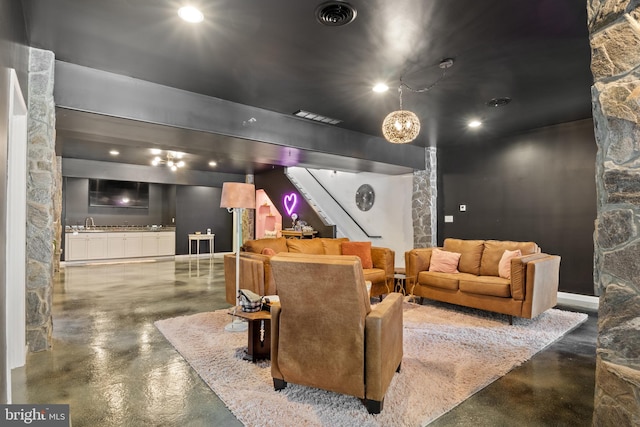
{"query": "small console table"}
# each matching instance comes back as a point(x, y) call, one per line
point(198, 238)
point(292, 234)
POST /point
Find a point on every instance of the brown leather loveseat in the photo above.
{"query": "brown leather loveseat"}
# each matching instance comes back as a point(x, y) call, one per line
point(255, 266)
point(530, 289)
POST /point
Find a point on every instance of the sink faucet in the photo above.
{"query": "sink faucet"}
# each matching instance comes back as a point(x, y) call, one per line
point(89, 222)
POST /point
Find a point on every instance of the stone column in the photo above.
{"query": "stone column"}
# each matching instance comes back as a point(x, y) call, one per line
point(423, 202)
point(248, 217)
point(41, 195)
point(57, 207)
point(614, 27)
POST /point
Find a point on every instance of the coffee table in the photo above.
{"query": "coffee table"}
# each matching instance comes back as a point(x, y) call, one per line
point(259, 336)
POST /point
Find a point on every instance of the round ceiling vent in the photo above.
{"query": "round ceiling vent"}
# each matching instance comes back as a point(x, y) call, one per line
point(498, 102)
point(335, 13)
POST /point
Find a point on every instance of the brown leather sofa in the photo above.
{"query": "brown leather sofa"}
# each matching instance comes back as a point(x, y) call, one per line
point(325, 334)
point(531, 289)
point(255, 267)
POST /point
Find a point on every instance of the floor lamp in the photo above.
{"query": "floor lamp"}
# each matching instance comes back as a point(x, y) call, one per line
point(235, 197)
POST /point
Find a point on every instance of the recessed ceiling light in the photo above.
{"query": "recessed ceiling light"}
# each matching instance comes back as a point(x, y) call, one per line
point(190, 14)
point(212, 163)
point(380, 87)
point(155, 151)
point(475, 123)
point(114, 152)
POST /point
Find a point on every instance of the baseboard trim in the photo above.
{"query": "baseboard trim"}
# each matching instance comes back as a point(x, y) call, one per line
point(578, 301)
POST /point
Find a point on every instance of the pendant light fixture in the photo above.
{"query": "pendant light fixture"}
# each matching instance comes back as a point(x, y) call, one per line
point(172, 160)
point(403, 126)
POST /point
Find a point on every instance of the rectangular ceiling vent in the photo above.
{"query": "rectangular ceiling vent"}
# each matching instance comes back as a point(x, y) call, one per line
point(317, 117)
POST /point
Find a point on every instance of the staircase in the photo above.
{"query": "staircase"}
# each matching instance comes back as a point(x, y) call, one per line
point(326, 206)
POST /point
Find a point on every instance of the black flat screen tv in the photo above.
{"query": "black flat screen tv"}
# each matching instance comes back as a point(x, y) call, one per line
point(119, 194)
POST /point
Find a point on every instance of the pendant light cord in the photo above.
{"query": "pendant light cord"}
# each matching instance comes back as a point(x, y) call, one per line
point(445, 64)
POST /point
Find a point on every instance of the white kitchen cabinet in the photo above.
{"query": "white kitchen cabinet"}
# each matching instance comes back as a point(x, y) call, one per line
point(159, 243)
point(150, 244)
point(133, 245)
point(76, 247)
point(115, 245)
point(96, 246)
point(166, 243)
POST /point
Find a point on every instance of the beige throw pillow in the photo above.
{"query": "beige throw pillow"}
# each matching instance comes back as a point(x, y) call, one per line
point(504, 266)
point(444, 262)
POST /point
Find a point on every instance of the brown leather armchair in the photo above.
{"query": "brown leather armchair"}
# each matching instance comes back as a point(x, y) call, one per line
point(325, 334)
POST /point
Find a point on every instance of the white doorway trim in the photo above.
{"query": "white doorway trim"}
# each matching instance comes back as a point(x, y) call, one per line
point(16, 239)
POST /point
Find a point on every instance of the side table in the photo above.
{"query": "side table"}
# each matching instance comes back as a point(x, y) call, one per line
point(400, 280)
point(198, 238)
point(259, 334)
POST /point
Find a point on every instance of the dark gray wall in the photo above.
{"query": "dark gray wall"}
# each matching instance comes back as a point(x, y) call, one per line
point(195, 208)
point(198, 208)
point(276, 184)
point(77, 209)
point(14, 50)
point(538, 186)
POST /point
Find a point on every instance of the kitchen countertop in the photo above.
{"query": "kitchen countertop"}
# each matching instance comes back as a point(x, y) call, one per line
point(117, 229)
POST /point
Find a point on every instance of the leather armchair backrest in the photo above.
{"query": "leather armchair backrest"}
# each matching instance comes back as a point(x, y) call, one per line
point(324, 303)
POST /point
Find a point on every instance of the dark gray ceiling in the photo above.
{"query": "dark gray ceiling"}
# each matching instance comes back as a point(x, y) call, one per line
point(275, 55)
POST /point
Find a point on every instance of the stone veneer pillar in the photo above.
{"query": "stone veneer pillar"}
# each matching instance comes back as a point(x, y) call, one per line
point(423, 202)
point(248, 217)
point(42, 193)
point(614, 27)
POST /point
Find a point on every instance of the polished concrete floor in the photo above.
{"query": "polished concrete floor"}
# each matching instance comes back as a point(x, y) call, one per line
point(113, 367)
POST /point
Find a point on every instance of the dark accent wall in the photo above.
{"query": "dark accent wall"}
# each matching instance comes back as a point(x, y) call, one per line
point(14, 49)
point(276, 184)
point(194, 208)
point(538, 186)
point(76, 203)
point(198, 208)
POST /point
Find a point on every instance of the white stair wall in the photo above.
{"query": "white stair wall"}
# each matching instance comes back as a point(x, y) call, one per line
point(390, 216)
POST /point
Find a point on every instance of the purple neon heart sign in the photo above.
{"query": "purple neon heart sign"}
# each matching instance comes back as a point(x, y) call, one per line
point(290, 202)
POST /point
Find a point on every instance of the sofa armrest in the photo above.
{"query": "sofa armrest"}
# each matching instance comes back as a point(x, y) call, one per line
point(415, 261)
point(275, 334)
point(519, 274)
point(383, 258)
point(541, 291)
point(383, 353)
point(252, 274)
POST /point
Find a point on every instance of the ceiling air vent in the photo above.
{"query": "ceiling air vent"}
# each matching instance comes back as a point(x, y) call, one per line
point(335, 13)
point(499, 102)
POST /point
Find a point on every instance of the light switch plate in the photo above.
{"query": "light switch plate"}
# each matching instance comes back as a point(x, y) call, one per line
point(448, 218)
point(463, 208)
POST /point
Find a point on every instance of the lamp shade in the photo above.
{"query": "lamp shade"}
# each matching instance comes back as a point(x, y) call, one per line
point(238, 195)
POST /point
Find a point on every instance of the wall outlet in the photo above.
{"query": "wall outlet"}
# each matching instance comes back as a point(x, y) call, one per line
point(448, 218)
point(173, 220)
point(463, 208)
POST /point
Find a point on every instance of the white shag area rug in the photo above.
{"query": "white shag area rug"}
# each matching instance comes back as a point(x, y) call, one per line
point(450, 353)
